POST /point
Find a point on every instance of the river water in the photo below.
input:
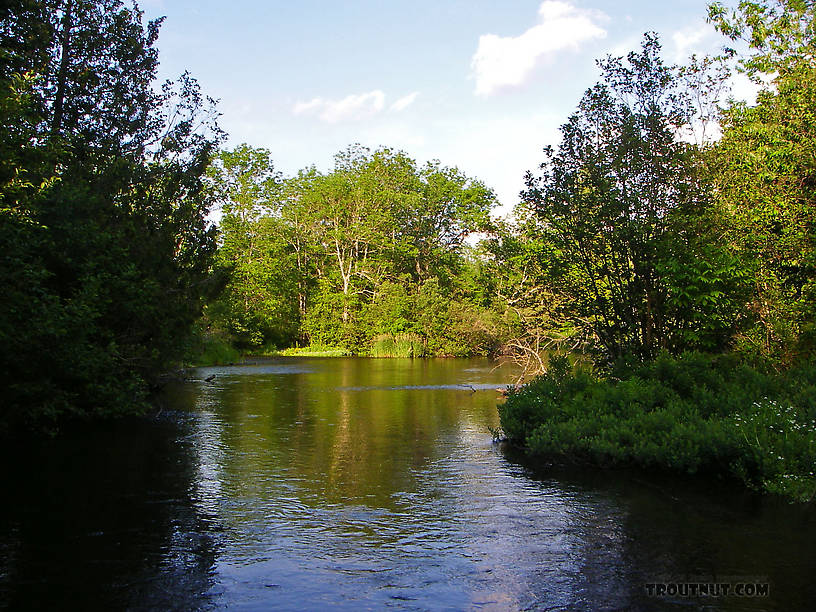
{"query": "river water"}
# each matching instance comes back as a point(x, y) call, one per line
point(359, 484)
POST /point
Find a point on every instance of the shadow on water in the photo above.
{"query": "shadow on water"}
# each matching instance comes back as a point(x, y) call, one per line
point(664, 529)
point(103, 519)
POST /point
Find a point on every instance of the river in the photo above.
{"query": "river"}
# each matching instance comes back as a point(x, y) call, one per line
point(362, 484)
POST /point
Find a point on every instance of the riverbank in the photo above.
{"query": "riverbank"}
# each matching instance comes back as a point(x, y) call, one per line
point(691, 414)
point(217, 352)
point(212, 350)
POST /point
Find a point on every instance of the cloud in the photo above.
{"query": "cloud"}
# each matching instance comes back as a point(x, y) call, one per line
point(404, 102)
point(697, 39)
point(501, 62)
point(687, 41)
point(351, 108)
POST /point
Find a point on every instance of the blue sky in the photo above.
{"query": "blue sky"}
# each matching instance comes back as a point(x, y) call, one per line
point(481, 85)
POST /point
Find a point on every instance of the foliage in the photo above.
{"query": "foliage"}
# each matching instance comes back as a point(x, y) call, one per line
point(258, 305)
point(690, 414)
point(398, 345)
point(617, 206)
point(520, 268)
point(207, 348)
point(313, 351)
point(638, 239)
point(656, 247)
point(360, 257)
point(106, 251)
point(764, 172)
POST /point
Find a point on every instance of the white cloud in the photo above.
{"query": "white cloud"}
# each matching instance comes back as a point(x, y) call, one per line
point(404, 102)
point(351, 108)
point(697, 39)
point(509, 61)
point(687, 41)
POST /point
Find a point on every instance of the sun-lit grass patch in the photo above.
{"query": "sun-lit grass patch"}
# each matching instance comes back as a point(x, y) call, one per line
point(308, 351)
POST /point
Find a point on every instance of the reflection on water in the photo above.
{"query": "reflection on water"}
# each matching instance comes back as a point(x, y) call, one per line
point(364, 484)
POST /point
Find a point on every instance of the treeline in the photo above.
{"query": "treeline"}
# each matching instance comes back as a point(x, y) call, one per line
point(105, 254)
point(668, 219)
point(641, 237)
point(371, 257)
point(672, 219)
point(686, 267)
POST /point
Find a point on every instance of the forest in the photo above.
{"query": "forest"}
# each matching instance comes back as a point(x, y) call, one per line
point(371, 258)
point(668, 239)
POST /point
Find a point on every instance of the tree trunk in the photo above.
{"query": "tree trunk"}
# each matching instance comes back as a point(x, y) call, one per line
point(346, 276)
point(62, 77)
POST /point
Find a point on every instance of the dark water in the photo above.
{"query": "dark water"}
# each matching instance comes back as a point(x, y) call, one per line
point(367, 484)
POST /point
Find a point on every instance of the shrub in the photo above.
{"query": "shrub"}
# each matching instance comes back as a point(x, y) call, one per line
point(694, 413)
point(208, 348)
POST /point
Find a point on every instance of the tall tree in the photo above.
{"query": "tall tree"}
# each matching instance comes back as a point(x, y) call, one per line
point(106, 246)
point(346, 254)
point(767, 170)
point(257, 304)
point(608, 201)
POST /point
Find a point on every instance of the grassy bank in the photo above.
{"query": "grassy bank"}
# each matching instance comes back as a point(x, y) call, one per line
point(691, 414)
point(213, 350)
point(305, 351)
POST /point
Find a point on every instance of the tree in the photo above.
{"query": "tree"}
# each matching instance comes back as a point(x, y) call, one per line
point(766, 176)
point(348, 254)
point(523, 268)
point(379, 220)
point(102, 210)
point(447, 208)
point(609, 202)
point(257, 305)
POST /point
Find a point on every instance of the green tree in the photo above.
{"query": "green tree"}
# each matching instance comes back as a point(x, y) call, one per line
point(257, 305)
point(448, 207)
point(522, 268)
point(345, 254)
point(766, 175)
point(609, 203)
point(106, 250)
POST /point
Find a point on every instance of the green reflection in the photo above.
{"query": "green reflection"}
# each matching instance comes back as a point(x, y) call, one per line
point(340, 431)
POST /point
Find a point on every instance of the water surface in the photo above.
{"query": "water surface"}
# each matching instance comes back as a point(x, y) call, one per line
point(367, 484)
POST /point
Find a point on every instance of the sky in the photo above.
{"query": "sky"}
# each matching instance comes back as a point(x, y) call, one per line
point(482, 85)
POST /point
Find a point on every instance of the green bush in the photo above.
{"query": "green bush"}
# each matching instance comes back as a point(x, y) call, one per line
point(209, 348)
point(694, 413)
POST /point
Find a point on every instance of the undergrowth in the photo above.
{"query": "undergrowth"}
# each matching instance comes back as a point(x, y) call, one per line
point(694, 413)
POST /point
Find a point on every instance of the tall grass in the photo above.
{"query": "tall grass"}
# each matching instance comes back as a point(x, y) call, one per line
point(404, 345)
point(313, 350)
